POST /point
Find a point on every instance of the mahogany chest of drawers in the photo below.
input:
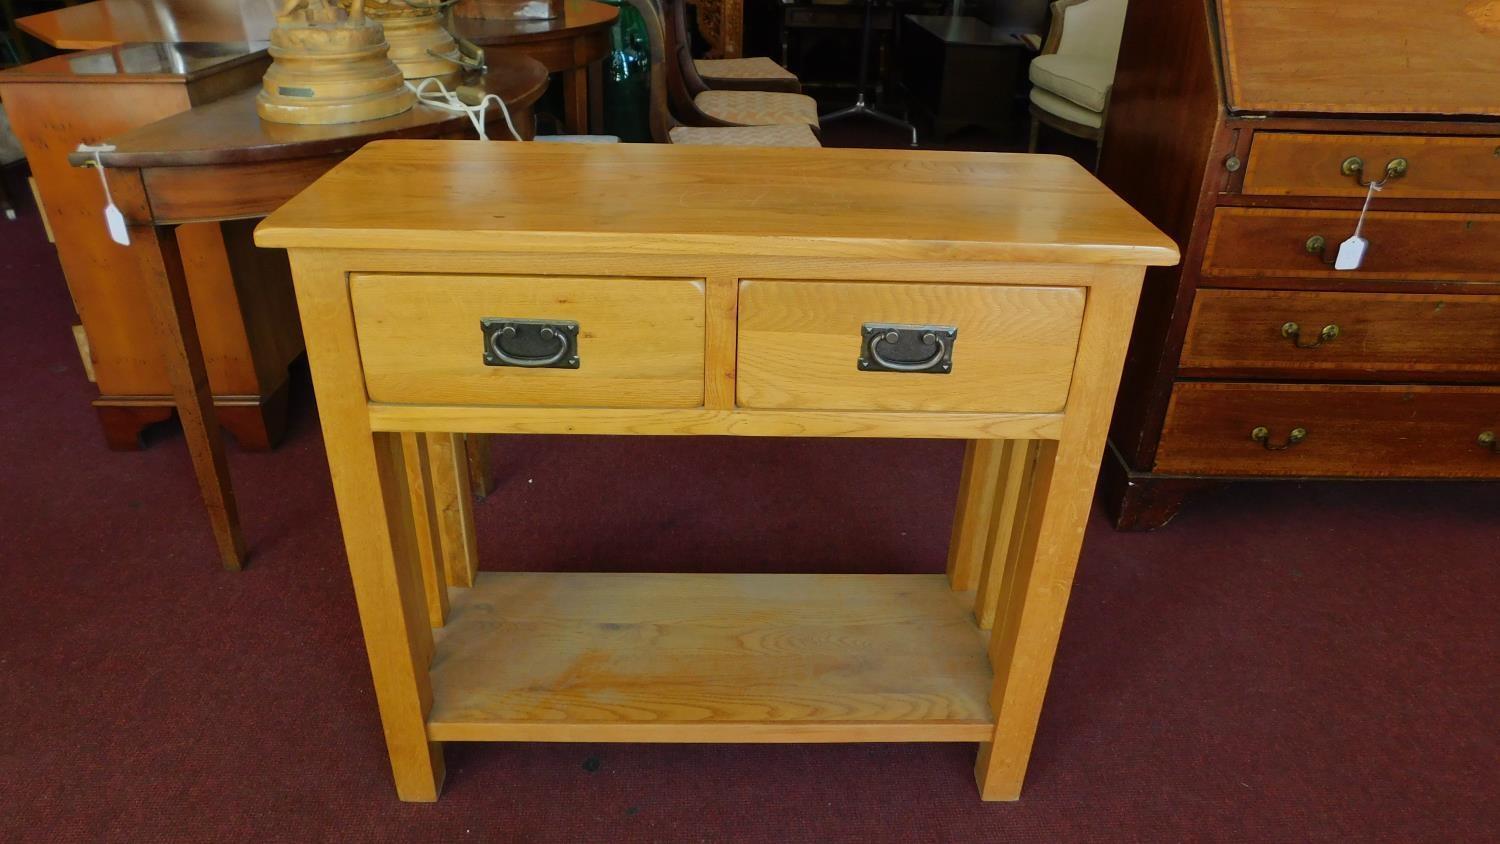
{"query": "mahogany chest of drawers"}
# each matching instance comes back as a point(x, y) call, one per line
point(1250, 131)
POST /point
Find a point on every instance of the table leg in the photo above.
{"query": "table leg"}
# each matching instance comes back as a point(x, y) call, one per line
point(172, 315)
point(976, 497)
point(1002, 546)
point(421, 493)
point(575, 94)
point(369, 485)
point(448, 458)
point(1034, 597)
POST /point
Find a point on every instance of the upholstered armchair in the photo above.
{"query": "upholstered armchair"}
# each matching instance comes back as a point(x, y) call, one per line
point(1071, 79)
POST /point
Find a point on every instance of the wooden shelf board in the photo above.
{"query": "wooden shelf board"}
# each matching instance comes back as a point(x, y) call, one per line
point(710, 658)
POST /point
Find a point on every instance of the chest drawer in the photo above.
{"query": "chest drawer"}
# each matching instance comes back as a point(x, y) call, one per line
point(619, 342)
point(1255, 242)
point(1330, 431)
point(822, 346)
point(1343, 335)
point(1296, 164)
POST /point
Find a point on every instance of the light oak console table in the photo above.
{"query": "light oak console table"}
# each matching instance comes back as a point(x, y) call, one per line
point(639, 289)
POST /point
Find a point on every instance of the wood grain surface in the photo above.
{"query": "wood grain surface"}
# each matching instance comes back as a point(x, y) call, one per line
point(640, 341)
point(1261, 242)
point(656, 198)
point(799, 344)
point(1374, 431)
point(1301, 164)
point(709, 657)
point(1370, 57)
point(1395, 337)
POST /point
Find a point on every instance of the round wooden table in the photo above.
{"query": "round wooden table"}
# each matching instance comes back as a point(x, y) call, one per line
point(571, 45)
point(220, 162)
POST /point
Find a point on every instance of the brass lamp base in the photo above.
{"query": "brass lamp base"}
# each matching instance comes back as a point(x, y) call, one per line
point(323, 74)
point(422, 48)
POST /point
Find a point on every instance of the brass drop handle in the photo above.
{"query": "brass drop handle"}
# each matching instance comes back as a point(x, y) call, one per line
point(1355, 166)
point(1318, 245)
point(1487, 441)
point(1292, 331)
point(1262, 435)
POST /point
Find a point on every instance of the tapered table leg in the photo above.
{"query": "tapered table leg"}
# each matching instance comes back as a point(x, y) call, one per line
point(172, 316)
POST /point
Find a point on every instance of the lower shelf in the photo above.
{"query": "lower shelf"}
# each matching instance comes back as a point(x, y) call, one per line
point(710, 658)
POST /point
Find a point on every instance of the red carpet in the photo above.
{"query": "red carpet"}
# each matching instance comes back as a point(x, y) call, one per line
point(1285, 663)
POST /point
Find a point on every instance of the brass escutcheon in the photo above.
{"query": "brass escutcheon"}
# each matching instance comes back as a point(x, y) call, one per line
point(1262, 435)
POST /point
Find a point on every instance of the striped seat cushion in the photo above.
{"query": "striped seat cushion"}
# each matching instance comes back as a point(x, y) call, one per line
point(746, 136)
point(758, 108)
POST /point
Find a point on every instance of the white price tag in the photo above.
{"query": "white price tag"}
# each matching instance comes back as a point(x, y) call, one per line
point(1351, 253)
point(113, 219)
point(116, 222)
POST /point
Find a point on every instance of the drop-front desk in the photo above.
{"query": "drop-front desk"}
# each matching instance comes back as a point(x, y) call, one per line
point(640, 289)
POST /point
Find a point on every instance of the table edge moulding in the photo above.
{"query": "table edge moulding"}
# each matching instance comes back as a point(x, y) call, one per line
point(644, 289)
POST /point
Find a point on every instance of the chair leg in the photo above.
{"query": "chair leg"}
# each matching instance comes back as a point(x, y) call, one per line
point(1036, 133)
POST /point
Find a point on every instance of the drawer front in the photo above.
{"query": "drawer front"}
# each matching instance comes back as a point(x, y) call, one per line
point(1255, 242)
point(1394, 336)
point(1348, 431)
point(1293, 164)
point(639, 342)
point(801, 343)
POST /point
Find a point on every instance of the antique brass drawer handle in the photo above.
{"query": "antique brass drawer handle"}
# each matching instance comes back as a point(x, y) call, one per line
point(1292, 331)
point(1355, 166)
point(1487, 440)
point(533, 343)
point(1262, 435)
point(907, 345)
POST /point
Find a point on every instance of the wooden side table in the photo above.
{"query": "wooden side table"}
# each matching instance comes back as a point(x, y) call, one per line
point(644, 289)
point(572, 45)
point(222, 162)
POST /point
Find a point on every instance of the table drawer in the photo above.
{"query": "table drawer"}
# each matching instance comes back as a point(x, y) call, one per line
point(1295, 164)
point(805, 345)
point(1256, 242)
point(638, 342)
point(1347, 431)
point(1394, 336)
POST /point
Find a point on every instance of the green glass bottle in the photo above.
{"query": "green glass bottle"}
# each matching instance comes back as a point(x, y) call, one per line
point(627, 70)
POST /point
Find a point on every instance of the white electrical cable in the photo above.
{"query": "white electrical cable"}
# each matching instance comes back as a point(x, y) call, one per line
point(449, 101)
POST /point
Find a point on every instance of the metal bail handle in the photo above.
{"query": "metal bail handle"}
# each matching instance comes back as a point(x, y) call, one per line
point(1355, 166)
point(886, 347)
point(1487, 441)
point(1292, 331)
point(530, 343)
point(1262, 435)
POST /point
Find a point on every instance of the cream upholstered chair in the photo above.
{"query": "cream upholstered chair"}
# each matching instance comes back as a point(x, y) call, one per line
point(1072, 78)
point(666, 129)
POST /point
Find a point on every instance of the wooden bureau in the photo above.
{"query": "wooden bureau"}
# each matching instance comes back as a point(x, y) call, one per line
point(1249, 131)
point(242, 297)
point(648, 289)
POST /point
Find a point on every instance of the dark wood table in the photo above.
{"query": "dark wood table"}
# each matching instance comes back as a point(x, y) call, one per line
point(572, 45)
point(221, 162)
point(962, 71)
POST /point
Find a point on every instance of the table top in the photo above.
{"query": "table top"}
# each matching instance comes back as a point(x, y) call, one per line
point(579, 17)
point(970, 31)
point(176, 63)
point(844, 203)
point(228, 131)
point(105, 23)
